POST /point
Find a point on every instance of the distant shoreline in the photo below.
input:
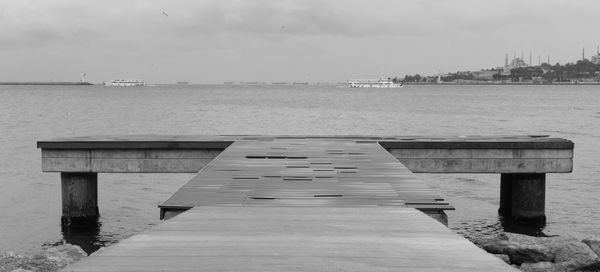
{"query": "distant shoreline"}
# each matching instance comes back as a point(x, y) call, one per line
point(45, 83)
point(502, 83)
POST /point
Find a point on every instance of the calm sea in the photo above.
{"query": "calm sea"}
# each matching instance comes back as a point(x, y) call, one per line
point(30, 200)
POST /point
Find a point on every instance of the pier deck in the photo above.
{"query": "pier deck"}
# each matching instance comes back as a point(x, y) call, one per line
point(309, 172)
point(295, 239)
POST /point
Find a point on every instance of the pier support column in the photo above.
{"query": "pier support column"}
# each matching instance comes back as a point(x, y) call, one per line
point(79, 199)
point(505, 195)
point(523, 197)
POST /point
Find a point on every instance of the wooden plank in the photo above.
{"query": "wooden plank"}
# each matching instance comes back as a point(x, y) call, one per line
point(295, 174)
point(295, 239)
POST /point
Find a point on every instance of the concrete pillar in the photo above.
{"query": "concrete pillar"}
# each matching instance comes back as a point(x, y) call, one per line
point(505, 194)
point(523, 197)
point(79, 199)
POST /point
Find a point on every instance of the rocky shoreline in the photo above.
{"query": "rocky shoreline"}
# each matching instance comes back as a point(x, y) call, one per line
point(533, 254)
point(49, 259)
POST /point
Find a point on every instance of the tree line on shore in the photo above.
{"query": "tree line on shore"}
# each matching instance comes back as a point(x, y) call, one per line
point(581, 70)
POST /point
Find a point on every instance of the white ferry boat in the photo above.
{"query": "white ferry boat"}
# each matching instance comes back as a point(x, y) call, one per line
point(125, 82)
point(373, 83)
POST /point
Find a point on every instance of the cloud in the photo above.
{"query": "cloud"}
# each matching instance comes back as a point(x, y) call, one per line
point(33, 23)
point(374, 18)
point(216, 36)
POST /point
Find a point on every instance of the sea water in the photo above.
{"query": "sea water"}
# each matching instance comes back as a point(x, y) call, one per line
point(30, 203)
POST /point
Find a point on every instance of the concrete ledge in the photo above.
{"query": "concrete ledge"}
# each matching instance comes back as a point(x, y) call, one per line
point(473, 143)
point(486, 160)
point(223, 141)
point(132, 145)
point(188, 154)
point(489, 153)
point(127, 161)
point(488, 165)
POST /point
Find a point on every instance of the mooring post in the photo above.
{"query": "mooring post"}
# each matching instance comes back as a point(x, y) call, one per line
point(79, 199)
point(523, 197)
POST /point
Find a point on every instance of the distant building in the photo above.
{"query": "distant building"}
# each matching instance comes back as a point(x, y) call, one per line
point(596, 59)
point(515, 63)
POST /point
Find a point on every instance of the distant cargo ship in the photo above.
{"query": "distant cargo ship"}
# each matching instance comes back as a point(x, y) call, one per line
point(373, 83)
point(125, 82)
point(182, 83)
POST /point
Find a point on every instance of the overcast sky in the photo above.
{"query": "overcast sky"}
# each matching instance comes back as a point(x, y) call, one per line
point(212, 41)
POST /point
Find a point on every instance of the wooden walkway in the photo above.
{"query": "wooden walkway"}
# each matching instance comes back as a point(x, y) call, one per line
point(295, 239)
point(308, 172)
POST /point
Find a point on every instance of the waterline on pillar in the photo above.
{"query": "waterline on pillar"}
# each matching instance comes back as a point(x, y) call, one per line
point(83, 232)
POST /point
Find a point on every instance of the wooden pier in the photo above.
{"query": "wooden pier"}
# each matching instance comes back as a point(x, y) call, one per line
point(305, 173)
point(303, 202)
point(213, 238)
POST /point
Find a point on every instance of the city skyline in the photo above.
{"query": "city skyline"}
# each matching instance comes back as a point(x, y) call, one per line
point(216, 41)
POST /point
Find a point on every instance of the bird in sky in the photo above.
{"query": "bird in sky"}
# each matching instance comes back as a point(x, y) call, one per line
point(165, 14)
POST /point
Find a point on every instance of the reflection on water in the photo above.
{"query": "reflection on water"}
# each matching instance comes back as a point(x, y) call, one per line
point(480, 229)
point(514, 227)
point(86, 236)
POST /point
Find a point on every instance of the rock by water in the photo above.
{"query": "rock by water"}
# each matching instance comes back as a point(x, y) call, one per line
point(595, 267)
point(545, 253)
point(50, 259)
point(517, 253)
point(543, 267)
point(593, 243)
point(65, 254)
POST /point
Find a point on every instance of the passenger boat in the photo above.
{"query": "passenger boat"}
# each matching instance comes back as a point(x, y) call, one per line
point(373, 83)
point(125, 82)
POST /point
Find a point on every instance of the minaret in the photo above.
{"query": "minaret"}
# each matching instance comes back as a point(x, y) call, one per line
point(583, 53)
point(530, 64)
point(506, 60)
